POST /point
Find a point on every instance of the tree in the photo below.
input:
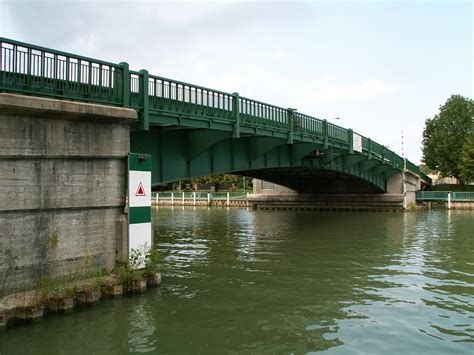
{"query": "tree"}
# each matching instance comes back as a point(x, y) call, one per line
point(467, 160)
point(215, 179)
point(445, 134)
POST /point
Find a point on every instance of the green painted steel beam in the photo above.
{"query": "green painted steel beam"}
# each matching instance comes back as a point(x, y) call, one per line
point(261, 145)
point(163, 102)
point(200, 140)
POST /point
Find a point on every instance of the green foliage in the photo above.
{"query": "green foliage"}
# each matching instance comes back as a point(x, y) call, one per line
point(224, 179)
point(466, 166)
point(451, 187)
point(53, 291)
point(152, 261)
point(139, 266)
point(129, 271)
point(425, 170)
point(445, 134)
point(215, 179)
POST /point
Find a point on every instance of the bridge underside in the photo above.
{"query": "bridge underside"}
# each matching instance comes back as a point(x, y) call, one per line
point(180, 153)
point(315, 181)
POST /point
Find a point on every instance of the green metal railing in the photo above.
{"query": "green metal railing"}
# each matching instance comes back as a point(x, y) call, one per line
point(463, 196)
point(432, 195)
point(30, 69)
point(443, 196)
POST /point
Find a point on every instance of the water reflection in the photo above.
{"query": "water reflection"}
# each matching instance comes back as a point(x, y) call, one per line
point(243, 281)
point(141, 329)
point(332, 278)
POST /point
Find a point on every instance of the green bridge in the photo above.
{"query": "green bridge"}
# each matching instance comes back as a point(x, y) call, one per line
point(193, 131)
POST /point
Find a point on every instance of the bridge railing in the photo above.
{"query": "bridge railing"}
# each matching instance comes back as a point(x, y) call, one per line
point(261, 114)
point(309, 125)
point(30, 69)
point(27, 68)
point(175, 97)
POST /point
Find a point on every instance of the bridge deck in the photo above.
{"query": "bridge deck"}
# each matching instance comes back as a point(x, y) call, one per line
point(34, 70)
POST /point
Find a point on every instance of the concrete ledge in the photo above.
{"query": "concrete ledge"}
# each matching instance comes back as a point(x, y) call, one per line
point(12, 104)
point(362, 202)
point(325, 197)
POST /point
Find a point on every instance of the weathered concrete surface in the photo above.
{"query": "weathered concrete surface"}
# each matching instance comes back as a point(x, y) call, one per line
point(258, 188)
point(412, 185)
point(462, 205)
point(62, 187)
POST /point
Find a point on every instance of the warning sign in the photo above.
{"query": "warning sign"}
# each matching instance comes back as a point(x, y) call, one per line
point(140, 190)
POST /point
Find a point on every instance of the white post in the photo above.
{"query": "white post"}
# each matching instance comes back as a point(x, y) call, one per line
point(194, 198)
point(157, 198)
point(228, 199)
point(208, 198)
point(182, 198)
point(404, 182)
point(172, 198)
point(449, 200)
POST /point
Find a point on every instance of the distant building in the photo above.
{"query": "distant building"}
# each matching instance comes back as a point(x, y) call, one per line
point(437, 179)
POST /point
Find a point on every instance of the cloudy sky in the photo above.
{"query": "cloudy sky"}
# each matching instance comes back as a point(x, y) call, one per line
point(382, 66)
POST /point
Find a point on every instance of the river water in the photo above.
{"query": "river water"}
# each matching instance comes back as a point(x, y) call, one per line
point(239, 281)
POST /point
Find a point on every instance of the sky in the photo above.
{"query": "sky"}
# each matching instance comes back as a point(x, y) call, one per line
point(383, 67)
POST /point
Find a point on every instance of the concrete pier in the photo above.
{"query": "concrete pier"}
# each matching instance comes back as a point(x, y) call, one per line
point(62, 187)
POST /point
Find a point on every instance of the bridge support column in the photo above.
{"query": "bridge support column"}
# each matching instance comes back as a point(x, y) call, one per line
point(412, 184)
point(63, 174)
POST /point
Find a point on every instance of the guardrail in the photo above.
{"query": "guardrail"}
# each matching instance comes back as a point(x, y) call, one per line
point(445, 196)
point(30, 69)
point(176, 197)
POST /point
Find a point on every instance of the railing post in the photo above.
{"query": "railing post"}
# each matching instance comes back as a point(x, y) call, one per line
point(172, 198)
point(290, 112)
point(350, 139)
point(208, 198)
point(144, 100)
point(157, 198)
point(182, 197)
point(449, 200)
point(194, 198)
point(236, 112)
point(228, 199)
point(326, 134)
point(124, 89)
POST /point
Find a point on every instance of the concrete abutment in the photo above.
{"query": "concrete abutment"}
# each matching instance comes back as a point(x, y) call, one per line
point(63, 176)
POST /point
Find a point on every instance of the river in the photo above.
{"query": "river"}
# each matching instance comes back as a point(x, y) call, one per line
point(238, 281)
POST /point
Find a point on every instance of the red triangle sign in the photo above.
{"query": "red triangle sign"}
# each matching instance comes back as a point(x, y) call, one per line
point(140, 190)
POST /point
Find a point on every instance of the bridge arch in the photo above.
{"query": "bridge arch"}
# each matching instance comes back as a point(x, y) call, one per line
point(180, 153)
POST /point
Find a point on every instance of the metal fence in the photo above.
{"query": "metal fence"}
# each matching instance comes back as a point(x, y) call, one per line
point(177, 196)
point(444, 196)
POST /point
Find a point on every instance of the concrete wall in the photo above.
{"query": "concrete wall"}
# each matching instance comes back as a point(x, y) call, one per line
point(276, 189)
point(392, 199)
point(62, 187)
point(412, 185)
